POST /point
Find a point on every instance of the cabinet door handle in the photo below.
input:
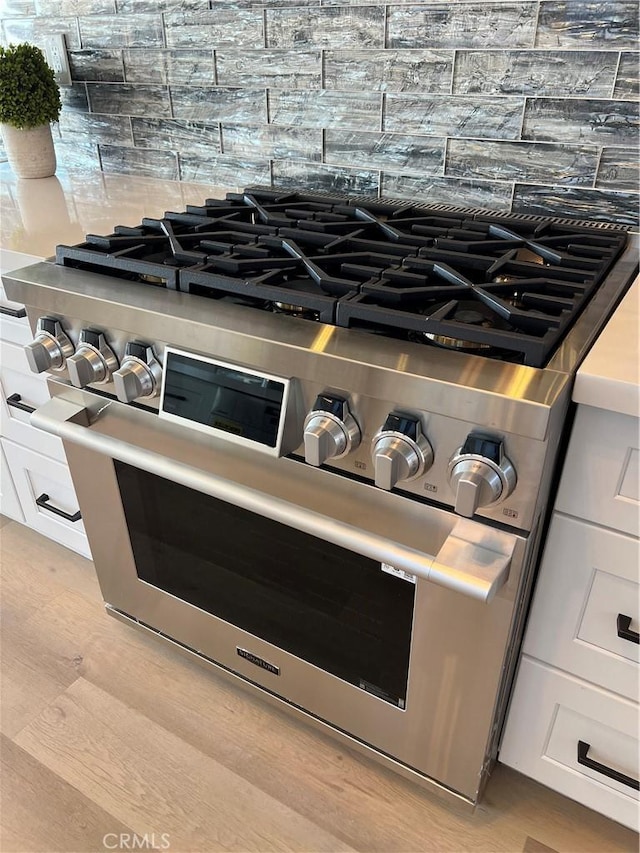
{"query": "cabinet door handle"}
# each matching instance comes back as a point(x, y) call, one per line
point(43, 501)
point(18, 313)
point(583, 749)
point(15, 400)
point(624, 629)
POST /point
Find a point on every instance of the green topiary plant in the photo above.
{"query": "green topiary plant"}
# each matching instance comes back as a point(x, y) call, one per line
point(29, 94)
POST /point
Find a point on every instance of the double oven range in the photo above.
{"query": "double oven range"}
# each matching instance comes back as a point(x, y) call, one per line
point(313, 440)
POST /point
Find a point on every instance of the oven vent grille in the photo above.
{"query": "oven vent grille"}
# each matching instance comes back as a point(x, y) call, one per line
point(356, 199)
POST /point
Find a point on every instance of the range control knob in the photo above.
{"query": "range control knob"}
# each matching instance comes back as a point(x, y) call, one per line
point(139, 374)
point(94, 360)
point(50, 347)
point(400, 451)
point(330, 430)
point(480, 474)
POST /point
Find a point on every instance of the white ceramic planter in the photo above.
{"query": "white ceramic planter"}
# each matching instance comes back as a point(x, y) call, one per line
point(30, 152)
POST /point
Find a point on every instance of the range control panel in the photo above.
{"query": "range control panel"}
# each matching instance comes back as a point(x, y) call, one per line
point(473, 469)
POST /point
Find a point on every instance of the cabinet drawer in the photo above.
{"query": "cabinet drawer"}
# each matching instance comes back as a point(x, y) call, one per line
point(47, 496)
point(32, 391)
point(551, 713)
point(14, 326)
point(600, 480)
point(588, 578)
point(9, 500)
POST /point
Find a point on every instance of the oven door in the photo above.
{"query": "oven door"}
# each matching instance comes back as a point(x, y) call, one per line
point(387, 618)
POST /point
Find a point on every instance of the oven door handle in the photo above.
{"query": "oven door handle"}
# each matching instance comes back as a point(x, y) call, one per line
point(474, 559)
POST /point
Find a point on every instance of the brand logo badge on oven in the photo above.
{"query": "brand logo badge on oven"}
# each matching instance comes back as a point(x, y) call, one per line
point(257, 661)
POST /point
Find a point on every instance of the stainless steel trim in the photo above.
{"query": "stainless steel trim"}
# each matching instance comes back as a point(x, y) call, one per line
point(474, 559)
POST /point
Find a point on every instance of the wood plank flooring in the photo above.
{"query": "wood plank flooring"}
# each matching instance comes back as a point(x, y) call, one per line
point(106, 733)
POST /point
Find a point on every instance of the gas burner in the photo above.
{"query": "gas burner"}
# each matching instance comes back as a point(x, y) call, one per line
point(470, 314)
point(294, 310)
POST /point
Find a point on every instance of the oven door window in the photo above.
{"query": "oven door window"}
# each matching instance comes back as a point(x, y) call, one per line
point(328, 606)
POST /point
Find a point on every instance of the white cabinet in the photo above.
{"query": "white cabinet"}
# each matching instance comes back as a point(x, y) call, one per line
point(573, 722)
point(36, 487)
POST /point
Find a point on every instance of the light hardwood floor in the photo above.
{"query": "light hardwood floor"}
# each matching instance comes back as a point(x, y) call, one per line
point(105, 732)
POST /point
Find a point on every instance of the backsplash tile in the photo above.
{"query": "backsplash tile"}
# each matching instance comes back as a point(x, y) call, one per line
point(74, 97)
point(536, 72)
point(124, 99)
point(220, 27)
point(17, 9)
point(71, 154)
point(277, 68)
point(223, 170)
point(389, 70)
point(619, 169)
point(568, 120)
point(137, 161)
point(446, 191)
point(603, 206)
point(481, 103)
point(181, 136)
point(160, 5)
point(460, 25)
point(534, 162)
point(287, 174)
point(187, 67)
point(493, 118)
point(325, 109)
point(395, 152)
point(51, 8)
point(108, 129)
point(608, 24)
point(627, 83)
point(272, 142)
point(121, 31)
point(36, 30)
point(243, 106)
point(329, 27)
point(96, 65)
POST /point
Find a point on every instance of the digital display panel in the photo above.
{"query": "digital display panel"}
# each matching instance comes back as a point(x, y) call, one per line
point(223, 397)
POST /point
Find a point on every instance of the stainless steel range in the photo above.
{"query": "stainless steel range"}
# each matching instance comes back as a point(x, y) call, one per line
point(313, 440)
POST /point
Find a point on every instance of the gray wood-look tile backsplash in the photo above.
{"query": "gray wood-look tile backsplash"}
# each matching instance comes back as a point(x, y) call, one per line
point(524, 106)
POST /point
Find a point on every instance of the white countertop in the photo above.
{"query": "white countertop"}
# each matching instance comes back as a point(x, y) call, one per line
point(39, 214)
point(610, 374)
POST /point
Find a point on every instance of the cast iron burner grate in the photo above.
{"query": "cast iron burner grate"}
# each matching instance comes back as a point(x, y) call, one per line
point(500, 285)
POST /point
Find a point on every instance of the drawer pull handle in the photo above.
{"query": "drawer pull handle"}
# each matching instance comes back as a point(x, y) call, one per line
point(583, 749)
point(43, 502)
point(15, 400)
point(18, 313)
point(624, 629)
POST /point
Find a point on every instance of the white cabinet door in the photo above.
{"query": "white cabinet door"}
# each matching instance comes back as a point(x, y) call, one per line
point(588, 578)
point(22, 388)
point(47, 496)
point(551, 715)
point(9, 500)
point(600, 480)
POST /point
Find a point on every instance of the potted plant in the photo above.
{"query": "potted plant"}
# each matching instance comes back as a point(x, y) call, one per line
point(29, 102)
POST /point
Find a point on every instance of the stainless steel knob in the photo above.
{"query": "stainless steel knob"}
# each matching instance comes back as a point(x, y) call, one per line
point(93, 362)
point(50, 347)
point(139, 374)
point(400, 451)
point(480, 474)
point(330, 430)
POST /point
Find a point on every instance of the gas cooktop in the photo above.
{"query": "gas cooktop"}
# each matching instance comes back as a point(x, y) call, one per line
point(499, 285)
